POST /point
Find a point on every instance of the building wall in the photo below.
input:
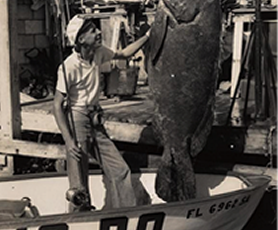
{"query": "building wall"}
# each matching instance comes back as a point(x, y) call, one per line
point(31, 29)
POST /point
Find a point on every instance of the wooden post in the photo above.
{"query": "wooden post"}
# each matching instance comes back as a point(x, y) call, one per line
point(258, 60)
point(237, 50)
point(10, 119)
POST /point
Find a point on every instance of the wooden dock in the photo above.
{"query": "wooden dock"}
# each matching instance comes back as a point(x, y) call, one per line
point(129, 120)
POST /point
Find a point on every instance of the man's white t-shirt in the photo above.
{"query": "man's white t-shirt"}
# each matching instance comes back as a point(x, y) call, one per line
point(83, 78)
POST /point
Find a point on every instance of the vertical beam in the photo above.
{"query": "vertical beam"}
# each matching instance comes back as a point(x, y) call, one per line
point(10, 120)
point(237, 51)
point(9, 81)
point(258, 60)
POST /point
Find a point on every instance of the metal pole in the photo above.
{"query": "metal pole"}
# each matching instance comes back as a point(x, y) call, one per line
point(258, 61)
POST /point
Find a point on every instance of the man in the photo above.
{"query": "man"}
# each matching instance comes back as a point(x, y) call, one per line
point(82, 86)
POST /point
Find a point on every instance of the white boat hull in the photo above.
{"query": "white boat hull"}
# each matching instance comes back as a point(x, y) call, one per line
point(223, 203)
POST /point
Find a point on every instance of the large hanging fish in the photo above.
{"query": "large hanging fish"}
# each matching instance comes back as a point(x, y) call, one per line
point(182, 67)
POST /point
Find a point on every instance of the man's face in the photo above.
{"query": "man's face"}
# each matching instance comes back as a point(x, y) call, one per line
point(91, 40)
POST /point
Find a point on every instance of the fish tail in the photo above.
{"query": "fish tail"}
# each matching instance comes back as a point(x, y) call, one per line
point(175, 179)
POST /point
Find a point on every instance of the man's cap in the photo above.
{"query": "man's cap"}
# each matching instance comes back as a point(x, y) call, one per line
point(73, 27)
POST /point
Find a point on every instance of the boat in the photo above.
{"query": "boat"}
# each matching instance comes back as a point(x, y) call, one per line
point(37, 202)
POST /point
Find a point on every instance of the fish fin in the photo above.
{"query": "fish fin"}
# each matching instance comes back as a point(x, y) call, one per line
point(201, 134)
point(158, 34)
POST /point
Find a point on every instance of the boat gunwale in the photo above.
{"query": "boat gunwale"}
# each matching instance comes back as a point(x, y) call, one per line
point(18, 177)
point(95, 215)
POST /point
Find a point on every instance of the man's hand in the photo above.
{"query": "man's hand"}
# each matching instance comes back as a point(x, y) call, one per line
point(73, 150)
point(63, 124)
point(132, 48)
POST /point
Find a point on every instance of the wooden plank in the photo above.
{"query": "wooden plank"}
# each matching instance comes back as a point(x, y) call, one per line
point(244, 10)
point(28, 100)
point(237, 50)
point(129, 1)
point(116, 32)
point(132, 133)
point(5, 70)
point(121, 104)
point(39, 122)
point(10, 120)
point(256, 140)
point(239, 140)
point(14, 86)
point(117, 131)
point(32, 149)
point(7, 74)
point(107, 31)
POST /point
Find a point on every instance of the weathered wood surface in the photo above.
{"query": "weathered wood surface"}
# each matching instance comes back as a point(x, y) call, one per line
point(137, 109)
point(130, 121)
point(9, 80)
point(119, 131)
point(32, 149)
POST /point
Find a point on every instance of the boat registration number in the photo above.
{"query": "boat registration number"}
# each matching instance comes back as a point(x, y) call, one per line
point(117, 223)
point(217, 207)
point(155, 219)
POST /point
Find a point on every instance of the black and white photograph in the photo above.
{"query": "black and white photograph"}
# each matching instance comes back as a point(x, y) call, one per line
point(138, 115)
